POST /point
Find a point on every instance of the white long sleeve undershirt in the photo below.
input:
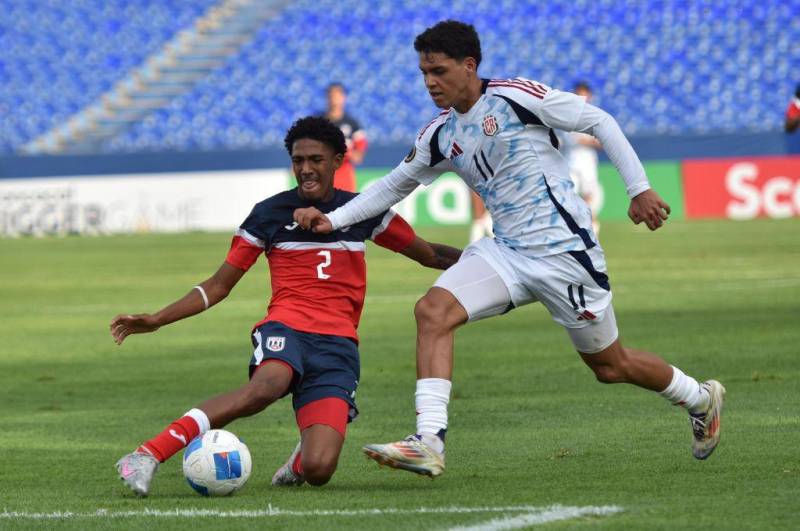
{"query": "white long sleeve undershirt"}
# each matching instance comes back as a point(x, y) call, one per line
point(382, 195)
point(397, 185)
point(604, 127)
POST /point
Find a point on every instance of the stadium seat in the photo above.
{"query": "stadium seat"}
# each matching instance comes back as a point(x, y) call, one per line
point(666, 67)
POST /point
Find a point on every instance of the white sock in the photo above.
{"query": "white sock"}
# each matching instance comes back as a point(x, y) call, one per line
point(432, 397)
point(200, 418)
point(686, 392)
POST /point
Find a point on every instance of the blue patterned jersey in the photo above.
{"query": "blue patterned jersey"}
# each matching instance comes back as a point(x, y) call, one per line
point(505, 149)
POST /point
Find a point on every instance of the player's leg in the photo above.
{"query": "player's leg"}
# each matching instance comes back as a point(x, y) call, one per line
point(323, 426)
point(472, 289)
point(576, 291)
point(588, 316)
point(324, 402)
point(617, 364)
point(267, 384)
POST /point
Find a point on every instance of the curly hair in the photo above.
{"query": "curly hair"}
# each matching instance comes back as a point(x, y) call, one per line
point(316, 128)
point(455, 39)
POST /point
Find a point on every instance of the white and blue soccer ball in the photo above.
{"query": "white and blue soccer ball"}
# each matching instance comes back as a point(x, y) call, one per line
point(217, 463)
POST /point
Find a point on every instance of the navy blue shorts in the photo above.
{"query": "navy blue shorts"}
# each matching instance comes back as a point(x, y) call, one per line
point(324, 366)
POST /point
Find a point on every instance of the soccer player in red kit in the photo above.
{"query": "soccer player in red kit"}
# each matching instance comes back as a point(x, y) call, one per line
point(307, 343)
point(354, 135)
point(793, 113)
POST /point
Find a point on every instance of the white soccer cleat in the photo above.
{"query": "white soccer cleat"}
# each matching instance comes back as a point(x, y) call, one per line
point(285, 476)
point(410, 454)
point(136, 470)
point(706, 425)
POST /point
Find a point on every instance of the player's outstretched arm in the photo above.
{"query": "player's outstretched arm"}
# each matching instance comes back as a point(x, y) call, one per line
point(650, 208)
point(206, 294)
point(379, 197)
point(434, 255)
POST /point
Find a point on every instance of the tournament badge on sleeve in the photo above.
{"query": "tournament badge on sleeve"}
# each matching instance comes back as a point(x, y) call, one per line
point(489, 125)
point(276, 343)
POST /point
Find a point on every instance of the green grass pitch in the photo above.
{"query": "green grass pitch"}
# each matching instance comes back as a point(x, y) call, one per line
point(529, 426)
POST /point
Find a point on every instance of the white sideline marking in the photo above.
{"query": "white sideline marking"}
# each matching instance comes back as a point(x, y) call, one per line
point(531, 515)
point(541, 516)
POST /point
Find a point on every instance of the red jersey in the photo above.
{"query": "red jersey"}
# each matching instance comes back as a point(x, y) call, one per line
point(355, 138)
point(793, 110)
point(318, 280)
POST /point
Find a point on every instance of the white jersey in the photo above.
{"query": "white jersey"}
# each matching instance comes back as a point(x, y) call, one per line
point(505, 149)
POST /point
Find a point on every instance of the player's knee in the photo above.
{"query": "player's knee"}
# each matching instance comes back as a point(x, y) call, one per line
point(432, 312)
point(318, 470)
point(613, 372)
point(607, 374)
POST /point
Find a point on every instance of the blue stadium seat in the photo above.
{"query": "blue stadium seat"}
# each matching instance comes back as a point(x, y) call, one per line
point(664, 66)
point(60, 56)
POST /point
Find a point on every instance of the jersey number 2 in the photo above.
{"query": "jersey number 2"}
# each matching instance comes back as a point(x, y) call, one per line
point(320, 273)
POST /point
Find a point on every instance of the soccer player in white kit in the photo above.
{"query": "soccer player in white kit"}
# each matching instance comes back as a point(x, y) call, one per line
point(497, 135)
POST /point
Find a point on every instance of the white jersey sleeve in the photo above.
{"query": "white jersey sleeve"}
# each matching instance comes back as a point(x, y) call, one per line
point(570, 112)
point(425, 162)
point(386, 192)
point(601, 125)
point(422, 165)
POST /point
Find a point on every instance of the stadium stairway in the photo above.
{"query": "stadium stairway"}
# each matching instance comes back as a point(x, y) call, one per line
point(189, 57)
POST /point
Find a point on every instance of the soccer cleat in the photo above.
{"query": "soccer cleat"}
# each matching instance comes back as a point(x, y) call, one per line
point(706, 425)
point(410, 454)
point(136, 470)
point(285, 476)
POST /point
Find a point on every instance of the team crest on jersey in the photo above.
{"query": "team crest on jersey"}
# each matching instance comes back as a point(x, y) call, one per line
point(490, 125)
point(276, 343)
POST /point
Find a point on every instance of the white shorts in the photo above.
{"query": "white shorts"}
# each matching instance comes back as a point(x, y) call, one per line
point(491, 279)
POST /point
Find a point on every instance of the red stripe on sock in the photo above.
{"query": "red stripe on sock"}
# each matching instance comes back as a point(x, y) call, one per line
point(297, 465)
point(173, 439)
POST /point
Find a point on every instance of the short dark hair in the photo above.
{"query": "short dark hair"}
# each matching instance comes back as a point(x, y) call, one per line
point(582, 85)
point(316, 128)
point(797, 91)
point(453, 38)
point(336, 85)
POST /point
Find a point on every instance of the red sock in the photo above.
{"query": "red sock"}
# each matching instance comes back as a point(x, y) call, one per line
point(297, 466)
point(173, 439)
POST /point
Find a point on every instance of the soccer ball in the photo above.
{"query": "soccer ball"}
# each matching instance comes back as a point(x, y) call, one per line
point(217, 463)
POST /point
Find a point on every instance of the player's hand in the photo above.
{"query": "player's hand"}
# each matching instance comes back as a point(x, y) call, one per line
point(650, 208)
point(124, 325)
point(313, 219)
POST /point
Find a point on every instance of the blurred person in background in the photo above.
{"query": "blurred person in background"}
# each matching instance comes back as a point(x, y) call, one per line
point(356, 138)
point(481, 220)
point(582, 158)
point(793, 113)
